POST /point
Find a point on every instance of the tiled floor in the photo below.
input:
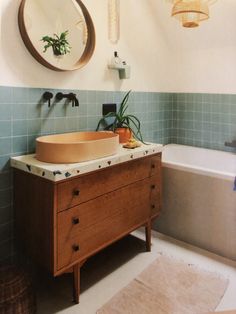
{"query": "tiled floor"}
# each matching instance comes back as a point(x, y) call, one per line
point(109, 271)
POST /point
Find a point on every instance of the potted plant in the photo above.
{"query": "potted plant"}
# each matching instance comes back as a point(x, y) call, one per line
point(126, 125)
point(59, 44)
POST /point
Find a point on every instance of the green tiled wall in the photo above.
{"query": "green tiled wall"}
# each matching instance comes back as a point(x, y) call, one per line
point(24, 116)
point(204, 120)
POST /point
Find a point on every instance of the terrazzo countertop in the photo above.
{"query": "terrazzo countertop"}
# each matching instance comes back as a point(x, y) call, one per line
point(58, 172)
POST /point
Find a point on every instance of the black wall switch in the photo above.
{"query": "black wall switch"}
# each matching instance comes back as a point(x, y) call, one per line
point(106, 108)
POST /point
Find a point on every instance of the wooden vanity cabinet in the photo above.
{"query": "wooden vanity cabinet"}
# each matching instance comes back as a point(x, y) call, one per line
point(61, 224)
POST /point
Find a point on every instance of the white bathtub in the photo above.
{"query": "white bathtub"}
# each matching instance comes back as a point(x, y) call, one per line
point(199, 203)
point(200, 160)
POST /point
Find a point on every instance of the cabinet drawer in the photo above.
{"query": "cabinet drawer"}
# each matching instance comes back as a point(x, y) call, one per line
point(75, 191)
point(155, 196)
point(88, 227)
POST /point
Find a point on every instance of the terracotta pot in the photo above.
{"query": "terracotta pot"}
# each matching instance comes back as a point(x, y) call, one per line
point(124, 134)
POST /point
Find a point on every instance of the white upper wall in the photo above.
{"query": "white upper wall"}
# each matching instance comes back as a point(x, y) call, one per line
point(204, 57)
point(164, 57)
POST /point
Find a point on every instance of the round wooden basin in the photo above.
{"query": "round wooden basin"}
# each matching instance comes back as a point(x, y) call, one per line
point(76, 147)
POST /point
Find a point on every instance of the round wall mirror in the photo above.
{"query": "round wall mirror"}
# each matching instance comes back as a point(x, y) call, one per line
point(58, 33)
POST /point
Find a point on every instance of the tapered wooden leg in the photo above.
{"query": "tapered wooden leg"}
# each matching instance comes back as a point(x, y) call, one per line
point(148, 236)
point(76, 286)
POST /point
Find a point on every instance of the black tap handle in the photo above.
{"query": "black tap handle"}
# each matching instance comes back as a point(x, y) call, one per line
point(59, 96)
point(76, 102)
point(70, 96)
point(47, 96)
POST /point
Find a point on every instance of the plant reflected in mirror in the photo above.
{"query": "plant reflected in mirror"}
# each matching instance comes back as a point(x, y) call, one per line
point(58, 34)
point(59, 44)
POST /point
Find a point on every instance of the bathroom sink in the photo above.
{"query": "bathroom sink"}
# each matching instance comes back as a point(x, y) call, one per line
point(76, 147)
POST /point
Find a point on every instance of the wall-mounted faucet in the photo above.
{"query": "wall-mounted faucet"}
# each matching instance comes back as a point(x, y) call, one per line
point(71, 97)
point(231, 144)
point(47, 96)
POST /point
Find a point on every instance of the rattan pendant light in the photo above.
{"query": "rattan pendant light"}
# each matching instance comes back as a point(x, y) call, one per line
point(191, 12)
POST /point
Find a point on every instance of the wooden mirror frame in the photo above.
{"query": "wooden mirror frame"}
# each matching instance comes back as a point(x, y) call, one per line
point(86, 55)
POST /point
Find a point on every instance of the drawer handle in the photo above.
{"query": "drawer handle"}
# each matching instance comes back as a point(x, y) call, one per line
point(75, 221)
point(75, 247)
point(153, 186)
point(76, 192)
point(153, 166)
point(153, 206)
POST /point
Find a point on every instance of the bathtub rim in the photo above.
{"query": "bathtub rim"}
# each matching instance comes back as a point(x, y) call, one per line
point(196, 169)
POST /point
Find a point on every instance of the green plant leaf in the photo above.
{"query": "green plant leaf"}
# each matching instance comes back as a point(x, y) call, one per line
point(102, 121)
point(57, 37)
point(135, 121)
point(121, 120)
point(123, 106)
point(59, 44)
point(63, 35)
